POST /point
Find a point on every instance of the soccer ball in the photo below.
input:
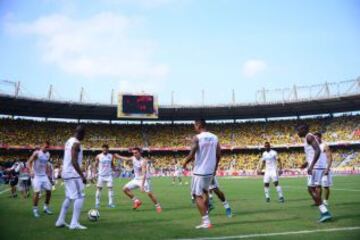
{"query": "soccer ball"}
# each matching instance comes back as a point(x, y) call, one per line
point(93, 215)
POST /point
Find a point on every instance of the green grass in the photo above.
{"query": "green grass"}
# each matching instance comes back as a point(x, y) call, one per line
point(251, 213)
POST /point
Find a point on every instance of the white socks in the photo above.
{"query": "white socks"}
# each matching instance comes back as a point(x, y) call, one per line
point(206, 219)
point(78, 203)
point(64, 207)
point(266, 190)
point(97, 197)
point(226, 204)
point(110, 194)
point(279, 191)
point(323, 209)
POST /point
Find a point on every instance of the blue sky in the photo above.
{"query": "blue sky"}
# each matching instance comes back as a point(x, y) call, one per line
point(184, 46)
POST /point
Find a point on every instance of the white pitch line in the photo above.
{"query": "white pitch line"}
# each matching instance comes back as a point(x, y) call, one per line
point(336, 189)
point(275, 234)
point(4, 191)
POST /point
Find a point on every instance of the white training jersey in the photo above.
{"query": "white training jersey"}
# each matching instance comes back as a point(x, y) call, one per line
point(270, 159)
point(68, 170)
point(41, 163)
point(178, 168)
point(310, 152)
point(105, 164)
point(323, 157)
point(137, 165)
point(205, 156)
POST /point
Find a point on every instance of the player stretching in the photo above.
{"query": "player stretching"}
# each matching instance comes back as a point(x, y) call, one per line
point(270, 159)
point(104, 162)
point(326, 180)
point(41, 178)
point(74, 180)
point(316, 167)
point(141, 179)
point(177, 172)
point(206, 153)
point(214, 187)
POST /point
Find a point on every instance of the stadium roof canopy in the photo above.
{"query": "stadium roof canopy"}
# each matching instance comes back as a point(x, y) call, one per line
point(30, 107)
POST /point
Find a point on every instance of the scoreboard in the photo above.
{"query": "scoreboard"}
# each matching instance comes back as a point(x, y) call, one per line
point(137, 106)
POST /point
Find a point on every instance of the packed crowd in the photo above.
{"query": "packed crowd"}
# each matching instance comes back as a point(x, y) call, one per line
point(28, 132)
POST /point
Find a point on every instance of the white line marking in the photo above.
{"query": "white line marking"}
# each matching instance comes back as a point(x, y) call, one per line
point(336, 189)
point(4, 191)
point(275, 234)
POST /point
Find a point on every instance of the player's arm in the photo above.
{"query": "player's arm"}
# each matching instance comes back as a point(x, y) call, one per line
point(194, 148)
point(113, 163)
point(31, 160)
point(74, 160)
point(329, 159)
point(261, 165)
point(49, 173)
point(315, 145)
point(218, 157)
point(96, 165)
point(123, 158)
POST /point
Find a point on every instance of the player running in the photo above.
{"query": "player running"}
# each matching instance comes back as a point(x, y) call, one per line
point(326, 180)
point(206, 153)
point(104, 163)
point(178, 172)
point(270, 161)
point(316, 168)
point(74, 180)
point(214, 188)
point(141, 179)
point(41, 178)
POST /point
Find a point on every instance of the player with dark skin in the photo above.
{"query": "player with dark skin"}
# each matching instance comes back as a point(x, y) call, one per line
point(315, 191)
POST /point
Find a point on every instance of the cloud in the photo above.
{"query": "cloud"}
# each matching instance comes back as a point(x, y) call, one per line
point(253, 67)
point(99, 46)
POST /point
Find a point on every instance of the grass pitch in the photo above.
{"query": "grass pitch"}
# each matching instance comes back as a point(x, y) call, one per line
point(179, 217)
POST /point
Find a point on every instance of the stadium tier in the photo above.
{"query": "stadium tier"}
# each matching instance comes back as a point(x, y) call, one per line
point(241, 139)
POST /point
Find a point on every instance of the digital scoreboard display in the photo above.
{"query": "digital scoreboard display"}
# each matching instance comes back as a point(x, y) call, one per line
point(137, 106)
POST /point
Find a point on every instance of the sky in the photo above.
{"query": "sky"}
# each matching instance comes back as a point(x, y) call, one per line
point(179, 46)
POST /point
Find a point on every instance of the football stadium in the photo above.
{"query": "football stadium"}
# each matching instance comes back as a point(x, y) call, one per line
point(81, 160)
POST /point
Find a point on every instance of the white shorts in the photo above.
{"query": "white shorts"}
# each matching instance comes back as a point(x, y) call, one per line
point(214, 184)
point(326, 180)
point(136, 183)
point(271, 176)
point(178, 174)
point(315, 178)
point(41, 183)
point(200, 184)
point(74, 188)
point(102, 180)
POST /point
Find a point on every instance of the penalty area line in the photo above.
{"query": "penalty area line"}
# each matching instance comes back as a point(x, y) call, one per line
point(257, 235)
point(4, 191)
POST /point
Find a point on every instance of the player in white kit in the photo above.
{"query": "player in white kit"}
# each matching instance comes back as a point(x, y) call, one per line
point(74, 180)
point(326, 181)
point(270, 161)
point(206, 153)
point(178, 172)
point(316, 166)
point(41, 178)
point(141, 179)
point(104, 163)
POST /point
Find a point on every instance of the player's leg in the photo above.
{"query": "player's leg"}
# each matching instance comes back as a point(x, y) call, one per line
point(36, 195)
point(98, 196)
point(199, 188)
point(66, 204)
point(133, 184)
point(46, 185)
point(79, 196)
point(278, 190)
point(225, 203)
point(148, 190)
point(325, 214)
point(326, 183)
point(180, 179)
point(110, 192)
point(267, 186)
